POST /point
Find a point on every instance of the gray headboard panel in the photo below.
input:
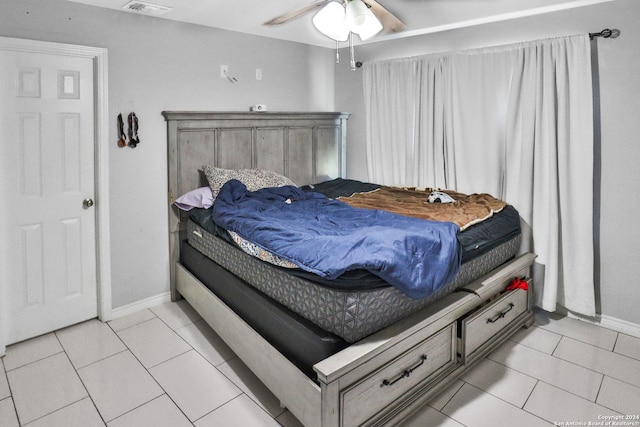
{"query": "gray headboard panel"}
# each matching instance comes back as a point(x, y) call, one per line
point(306, 147)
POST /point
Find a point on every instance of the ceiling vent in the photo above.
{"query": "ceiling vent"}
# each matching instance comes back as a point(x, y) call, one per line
point(146, 8)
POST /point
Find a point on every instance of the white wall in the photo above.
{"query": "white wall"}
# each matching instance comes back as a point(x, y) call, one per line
point(156, 65)
point(618, 249)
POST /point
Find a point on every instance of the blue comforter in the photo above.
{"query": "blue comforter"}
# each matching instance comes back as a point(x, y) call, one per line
point(328, 237)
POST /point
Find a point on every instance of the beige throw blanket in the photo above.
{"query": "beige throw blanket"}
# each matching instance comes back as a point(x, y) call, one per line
point(465, 211)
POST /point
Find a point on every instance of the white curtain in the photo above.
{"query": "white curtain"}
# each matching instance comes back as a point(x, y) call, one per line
point(409, 108)
point(515, 121)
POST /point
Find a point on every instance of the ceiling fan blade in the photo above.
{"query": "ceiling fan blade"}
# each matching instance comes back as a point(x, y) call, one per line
point(389, 21)
point(295, 14)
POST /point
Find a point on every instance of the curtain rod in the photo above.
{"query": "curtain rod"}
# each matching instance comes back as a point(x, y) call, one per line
point(606, 33)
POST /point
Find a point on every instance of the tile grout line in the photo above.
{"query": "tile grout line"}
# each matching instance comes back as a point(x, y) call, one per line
point(531, 392)
point(145, 403)
point(34, 361)
point(126, 349)
point(622, 354)
point(131, 326)
point(15, 410)
point(250, 398)
point(171, 358)
point(83, 385)
point(174, 330)
point(147, 369)
point(587, 368)
point(220, 406)
point(581, 340)
point(507, 402)
point(601, 373)
point(69, 404)
point(560, 359)
point(191, 322)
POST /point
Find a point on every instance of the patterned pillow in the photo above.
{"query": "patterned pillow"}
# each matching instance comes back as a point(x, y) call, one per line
point(254, 179)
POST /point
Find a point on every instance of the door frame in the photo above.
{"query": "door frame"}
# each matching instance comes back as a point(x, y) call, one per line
point(101, 159)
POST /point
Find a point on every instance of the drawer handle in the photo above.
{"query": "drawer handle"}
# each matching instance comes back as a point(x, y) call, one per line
point(501, 315)
point(405, 373)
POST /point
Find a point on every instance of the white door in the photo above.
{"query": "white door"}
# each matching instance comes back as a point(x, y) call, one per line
point(47, 235)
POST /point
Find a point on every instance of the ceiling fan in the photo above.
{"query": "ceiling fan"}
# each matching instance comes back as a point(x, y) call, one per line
point(339, 19)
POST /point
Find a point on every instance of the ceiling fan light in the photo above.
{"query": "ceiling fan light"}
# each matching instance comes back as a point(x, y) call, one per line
point(370, 30)
point(361, 20)
point(331, 21)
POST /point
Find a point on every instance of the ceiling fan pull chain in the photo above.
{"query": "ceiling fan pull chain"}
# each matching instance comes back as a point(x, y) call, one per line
point(352, 59)
point(337, 52)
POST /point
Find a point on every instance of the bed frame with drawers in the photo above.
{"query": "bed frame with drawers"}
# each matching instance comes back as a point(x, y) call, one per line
point(383, 378)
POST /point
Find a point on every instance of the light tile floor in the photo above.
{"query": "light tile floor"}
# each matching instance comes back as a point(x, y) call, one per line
point(165, 367)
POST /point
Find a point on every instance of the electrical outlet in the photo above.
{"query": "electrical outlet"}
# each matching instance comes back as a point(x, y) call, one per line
point(224, 71)
point(258, 74)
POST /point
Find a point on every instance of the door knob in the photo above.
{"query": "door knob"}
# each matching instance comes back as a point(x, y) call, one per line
point(87, 203)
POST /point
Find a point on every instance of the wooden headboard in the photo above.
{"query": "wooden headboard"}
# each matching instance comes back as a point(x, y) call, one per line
point(306, 147)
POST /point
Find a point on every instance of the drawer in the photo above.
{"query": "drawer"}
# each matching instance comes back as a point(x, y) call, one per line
point(373, 393)
point(490, 319)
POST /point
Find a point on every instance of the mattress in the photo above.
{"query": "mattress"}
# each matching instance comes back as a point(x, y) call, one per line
point(298, 339)
point(327, 237)
point(350, 312)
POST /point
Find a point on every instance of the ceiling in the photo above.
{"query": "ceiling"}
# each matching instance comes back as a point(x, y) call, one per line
point(419, 16)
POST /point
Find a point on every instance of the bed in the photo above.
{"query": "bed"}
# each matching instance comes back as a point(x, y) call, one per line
point(327, 374)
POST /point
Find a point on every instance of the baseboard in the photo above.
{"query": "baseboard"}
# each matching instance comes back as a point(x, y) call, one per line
point(134, 307)
point(615, 324)
point(619, 325)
